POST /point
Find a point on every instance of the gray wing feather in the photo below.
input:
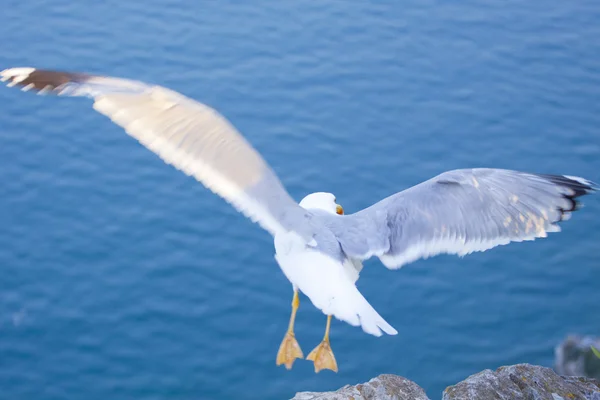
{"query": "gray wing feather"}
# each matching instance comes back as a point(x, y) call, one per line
point(187, 134)
point(460, 212)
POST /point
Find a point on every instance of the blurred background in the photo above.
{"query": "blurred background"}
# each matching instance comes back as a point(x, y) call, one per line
point(123, 278)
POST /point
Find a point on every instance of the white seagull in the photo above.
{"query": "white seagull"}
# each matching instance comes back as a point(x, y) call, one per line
point(319, 249)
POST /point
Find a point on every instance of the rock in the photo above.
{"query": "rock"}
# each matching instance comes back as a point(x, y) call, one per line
point(575, 357)
point(523, 381)
point(515, 382)
point(383, 387)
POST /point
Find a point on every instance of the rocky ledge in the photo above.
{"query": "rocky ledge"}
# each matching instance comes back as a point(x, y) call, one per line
point(515, 382)
point(383, 387)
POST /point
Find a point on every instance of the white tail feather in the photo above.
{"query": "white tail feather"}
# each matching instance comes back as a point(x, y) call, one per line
point(370, 319)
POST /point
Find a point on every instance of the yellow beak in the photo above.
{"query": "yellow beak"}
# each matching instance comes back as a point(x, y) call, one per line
point(339, 209)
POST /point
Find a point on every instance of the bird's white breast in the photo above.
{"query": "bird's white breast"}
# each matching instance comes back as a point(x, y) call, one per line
point(300, 261)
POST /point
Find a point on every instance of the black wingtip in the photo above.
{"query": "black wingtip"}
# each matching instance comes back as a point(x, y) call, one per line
point(578, 186)
point(575, 187)
point(39, 80)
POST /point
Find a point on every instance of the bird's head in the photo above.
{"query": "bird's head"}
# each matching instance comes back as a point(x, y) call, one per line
point(322, 201)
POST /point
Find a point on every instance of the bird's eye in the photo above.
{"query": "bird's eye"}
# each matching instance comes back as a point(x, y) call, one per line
point(339, 210)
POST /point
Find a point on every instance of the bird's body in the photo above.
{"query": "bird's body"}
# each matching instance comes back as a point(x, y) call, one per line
point(319, 251)
point(323, 271)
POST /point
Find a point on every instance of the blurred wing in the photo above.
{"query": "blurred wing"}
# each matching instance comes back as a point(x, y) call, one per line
point(187, 134)
point(460, 212)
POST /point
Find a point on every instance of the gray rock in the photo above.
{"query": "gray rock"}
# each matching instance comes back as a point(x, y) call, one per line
point(383, 387)
point(523, 381)
point(574, 357)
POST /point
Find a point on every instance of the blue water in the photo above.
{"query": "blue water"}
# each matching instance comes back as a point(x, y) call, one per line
point(121, 278)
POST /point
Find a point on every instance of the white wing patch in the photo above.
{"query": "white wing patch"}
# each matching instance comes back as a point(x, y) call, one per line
point(16, 75)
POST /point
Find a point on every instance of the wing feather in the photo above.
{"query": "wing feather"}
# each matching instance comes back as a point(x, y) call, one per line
point(187, 134)
point(460, 212)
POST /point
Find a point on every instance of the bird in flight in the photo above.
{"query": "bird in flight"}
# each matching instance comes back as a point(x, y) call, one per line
point(318, 247)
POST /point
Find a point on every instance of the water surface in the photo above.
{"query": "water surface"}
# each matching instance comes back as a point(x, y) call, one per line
point(122, 278)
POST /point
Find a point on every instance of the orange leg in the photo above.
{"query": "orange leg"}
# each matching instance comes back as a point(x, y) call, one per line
point(289, 349)
point(322, 355)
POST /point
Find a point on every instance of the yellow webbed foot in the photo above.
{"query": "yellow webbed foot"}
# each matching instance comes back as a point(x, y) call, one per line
point(289, 351)
point(323, 357)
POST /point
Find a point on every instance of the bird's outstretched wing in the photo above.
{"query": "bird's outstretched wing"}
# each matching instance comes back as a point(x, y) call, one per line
point(460, 212)
point(185, 133)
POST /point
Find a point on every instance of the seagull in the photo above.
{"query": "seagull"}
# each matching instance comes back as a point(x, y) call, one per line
point(319, 248)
